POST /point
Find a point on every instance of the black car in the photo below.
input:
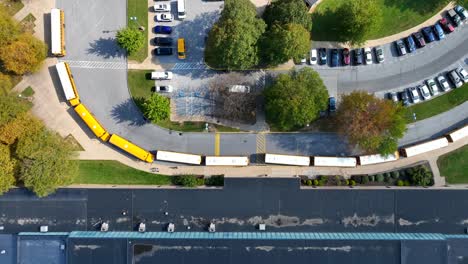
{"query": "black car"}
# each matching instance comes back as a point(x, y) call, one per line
point(358, 56)
point(419, 39)
point(404, 98)
point(162, 41)
point(163, 51)
point(322, 55)
point(334, 58)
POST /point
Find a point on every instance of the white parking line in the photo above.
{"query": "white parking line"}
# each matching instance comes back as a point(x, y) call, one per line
point(96, 64)
point(189, 66)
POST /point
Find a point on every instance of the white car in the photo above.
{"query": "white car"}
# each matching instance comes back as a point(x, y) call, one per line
point(164, 17)
point(432, 86)
point(161, 75)
point(368, 55)
point(463, 74)
point(164, 88)
point(424, 91)
point(162, 8)
point(443, 83)
point(313, 56)
point(239, 89)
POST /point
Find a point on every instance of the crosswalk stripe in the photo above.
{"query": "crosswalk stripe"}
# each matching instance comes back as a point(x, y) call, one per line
point(189, 66)
point(217, 145)
point(96, 64)
point(261, 143)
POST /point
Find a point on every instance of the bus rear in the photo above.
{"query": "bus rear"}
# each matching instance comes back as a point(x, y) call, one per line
point(181, 48)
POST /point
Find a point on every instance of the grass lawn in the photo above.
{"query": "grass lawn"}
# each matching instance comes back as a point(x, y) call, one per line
point(12, 7)
point(454, 165)
point(138, 9)
point(27, 92)
point(439, 104)
point(27, 23)
point(113, 172)
point(140, 84)
point(398, 15)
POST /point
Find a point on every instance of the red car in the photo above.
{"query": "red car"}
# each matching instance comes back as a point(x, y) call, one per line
point(446, 25)
point(346, 57)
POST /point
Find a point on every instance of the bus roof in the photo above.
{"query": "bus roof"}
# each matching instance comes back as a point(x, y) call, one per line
point(377, 158)
point(226, 161)
point(56, 31)
point(131, 148)
point(459, 134)
point(426, 147)
point(335, 161)
point(178, 157)
point(92, 122)
point(65, 81)
point(287, 159)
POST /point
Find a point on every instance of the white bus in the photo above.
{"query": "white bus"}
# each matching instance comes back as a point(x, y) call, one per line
point(181, 14)
point(425, 147)
point(459, 134)
point(226, 161)
point(334, 162)
point(287, 159)
point(377, 158)
point(57, 33)
point(178, 157)
point(68, 85)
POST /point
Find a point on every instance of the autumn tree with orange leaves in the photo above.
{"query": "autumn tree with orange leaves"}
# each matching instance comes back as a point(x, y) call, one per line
point(374, 124)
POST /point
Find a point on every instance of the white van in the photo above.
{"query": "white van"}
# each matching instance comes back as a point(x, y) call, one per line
point(181, 9)
point(161, 75)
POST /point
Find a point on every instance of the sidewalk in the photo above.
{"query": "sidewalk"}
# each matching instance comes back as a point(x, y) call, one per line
point(385, 40)
point(38, 8)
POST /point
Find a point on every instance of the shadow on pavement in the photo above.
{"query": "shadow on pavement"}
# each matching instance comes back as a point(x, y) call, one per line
point(106, 48)
point(127, 111)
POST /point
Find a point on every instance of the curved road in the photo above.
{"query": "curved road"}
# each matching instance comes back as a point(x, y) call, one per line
point(99, 68)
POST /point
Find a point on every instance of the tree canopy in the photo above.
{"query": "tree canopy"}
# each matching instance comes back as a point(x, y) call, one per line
point(233, 40)
point(157, 108)
point(295, 99)
point(372, 123)
point(281, 43)
point(23, 55)
point(9, 28)
point(130, 39)
point(358, 19)
point(288, 11)
point(7, 166)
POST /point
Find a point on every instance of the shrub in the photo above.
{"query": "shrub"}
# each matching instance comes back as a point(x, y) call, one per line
point(316, 182)
point(130, 39)
point(395, 174)
point(388, 178)
point(352, 182)
point(406, 183)
point(215, 180)
point(157, 108)
point(379, 177)
point(186, 180)
point(400, 183)
point(372, 178)
point(309, 182)
point(365, 179)
point(346, 182)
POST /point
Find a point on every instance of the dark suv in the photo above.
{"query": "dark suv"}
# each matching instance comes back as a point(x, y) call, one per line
point(358, 60)
point(163, 51)
point(162, 41)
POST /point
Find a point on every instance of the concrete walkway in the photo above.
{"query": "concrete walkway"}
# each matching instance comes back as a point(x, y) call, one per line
point(38, 9)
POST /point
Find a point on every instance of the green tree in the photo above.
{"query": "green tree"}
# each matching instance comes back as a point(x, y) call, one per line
point(5, 84)
point(358, 19)
point(157, 108)
point(294, 39)
point(288, 11)
point(130, 39)
point(24, 123)
point(421, 176)
point(233, 41)
point(11, 107)
point(23, 55)
point(7, 167)
point(185, 180)
point(372, 123)
point(9, 28)
point(45, 161)
point(295, 99)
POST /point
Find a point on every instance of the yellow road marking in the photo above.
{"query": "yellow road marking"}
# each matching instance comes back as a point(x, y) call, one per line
point(217, 141)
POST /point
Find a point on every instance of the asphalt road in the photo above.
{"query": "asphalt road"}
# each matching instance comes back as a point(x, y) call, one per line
point(239, 207)
point(99, 69)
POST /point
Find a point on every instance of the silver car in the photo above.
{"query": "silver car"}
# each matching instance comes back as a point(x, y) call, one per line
point(424, 91)
point(463, 74)
point(432, 87)
point(413, 93)
point(455, 78)
point(444, 85)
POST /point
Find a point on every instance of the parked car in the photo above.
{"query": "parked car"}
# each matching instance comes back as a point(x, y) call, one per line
point(461, 12)
point(332, 104)
point(454, 17)
point(158, 41)
point(413, 93)
point(420, 42)
point(446, 25)
point(166, 75)
point(400, 47)
point(368, 55)
point(424, 91)
point(164, 89)
point(439, 31)
point(379, 54)
point(162, 29)
point(431, 84)
point(162, 8)
point(164, 17)
point(323, 55)
point(404, 98)
point(428, 34)
point(346, 57)
point(163, 51)
point(410, 43)
point(463, 74)
point(239, 89)
point(358, 56)
point(444, 85)
point(313, 56)
point(455, 78)
point(303, 59)
point(335, 57)
point(392, 96)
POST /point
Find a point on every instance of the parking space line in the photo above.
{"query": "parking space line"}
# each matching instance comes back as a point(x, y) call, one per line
point(261, 143)
point(217, 145)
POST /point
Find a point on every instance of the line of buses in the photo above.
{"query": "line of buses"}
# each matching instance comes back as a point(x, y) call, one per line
point(71, 94)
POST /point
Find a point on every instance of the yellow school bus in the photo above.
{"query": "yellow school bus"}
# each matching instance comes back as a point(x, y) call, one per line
point(57, 25)
point(92, 122)
point(181, 48)
point(68, 84)
point(131, 148)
